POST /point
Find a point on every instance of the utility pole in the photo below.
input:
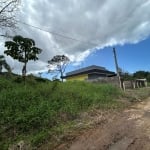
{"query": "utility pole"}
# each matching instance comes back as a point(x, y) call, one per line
point(117, 68)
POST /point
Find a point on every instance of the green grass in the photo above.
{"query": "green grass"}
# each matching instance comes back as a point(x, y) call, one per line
point(32, 111)
point(138, 94)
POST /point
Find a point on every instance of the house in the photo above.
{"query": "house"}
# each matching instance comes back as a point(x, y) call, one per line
point(89, 73)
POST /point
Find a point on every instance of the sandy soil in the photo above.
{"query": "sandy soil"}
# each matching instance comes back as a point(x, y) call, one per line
point(129, 130)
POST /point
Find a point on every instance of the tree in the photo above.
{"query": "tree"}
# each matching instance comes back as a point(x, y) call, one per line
point(7, 13)
point(148, 77)
point(126, 76)
point(140, 74)
point(58, 63)
point(40, 74)
point(4, 64)
point(23, 50)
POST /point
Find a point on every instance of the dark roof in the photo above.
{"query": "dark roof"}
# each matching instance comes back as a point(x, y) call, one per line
point(90, 69)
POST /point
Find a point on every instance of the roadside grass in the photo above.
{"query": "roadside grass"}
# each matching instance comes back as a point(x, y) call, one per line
point(35, 111)
point(138, 94)
point(41, 110)
point(148, 84)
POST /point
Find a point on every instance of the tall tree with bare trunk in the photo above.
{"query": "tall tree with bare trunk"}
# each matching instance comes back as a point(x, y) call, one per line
point(23, 50)
point(58, 64)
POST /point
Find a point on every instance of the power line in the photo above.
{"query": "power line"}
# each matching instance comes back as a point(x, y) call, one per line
point(6, 36)
point(58, 34)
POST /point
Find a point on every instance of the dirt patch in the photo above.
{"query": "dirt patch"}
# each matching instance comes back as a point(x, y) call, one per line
point(129, 130)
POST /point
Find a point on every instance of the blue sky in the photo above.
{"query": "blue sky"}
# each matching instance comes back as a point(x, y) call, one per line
point(131, 58)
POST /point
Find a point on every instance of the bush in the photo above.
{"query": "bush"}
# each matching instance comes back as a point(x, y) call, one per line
point(28, 109)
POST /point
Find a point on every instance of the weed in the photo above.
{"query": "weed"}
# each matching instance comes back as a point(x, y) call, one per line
point(40, 106)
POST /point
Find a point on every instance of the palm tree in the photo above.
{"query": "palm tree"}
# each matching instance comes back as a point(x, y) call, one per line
point(4, 64)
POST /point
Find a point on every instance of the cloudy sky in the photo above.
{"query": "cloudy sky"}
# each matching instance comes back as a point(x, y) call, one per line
point(85, 31)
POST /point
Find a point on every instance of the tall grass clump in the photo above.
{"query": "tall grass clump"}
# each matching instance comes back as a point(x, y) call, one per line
point(31, 109)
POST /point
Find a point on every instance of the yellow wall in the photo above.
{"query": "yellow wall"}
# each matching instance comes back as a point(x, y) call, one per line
point(77, 77)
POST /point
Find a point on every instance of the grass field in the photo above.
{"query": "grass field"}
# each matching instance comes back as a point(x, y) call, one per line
point(33, 111)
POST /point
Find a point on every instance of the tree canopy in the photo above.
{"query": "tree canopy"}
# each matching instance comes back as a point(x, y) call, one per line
point(7, 13)
point(142, 74)
point(59, 64)
point(23, 50)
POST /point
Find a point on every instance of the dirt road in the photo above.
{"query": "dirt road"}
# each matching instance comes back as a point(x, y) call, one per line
point(129, 130)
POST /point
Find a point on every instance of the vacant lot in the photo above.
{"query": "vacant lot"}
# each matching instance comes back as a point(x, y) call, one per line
point(54, 115)
point(129, 130)
point(39, 110)
point(126, 129)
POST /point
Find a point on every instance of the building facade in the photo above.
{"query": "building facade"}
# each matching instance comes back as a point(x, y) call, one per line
point(89, 73)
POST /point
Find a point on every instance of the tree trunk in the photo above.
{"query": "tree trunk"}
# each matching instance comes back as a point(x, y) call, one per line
point(61, 76)
point(1, 67)
point(24, 71)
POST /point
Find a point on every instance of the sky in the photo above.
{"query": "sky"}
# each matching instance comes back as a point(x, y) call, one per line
point(85, 31)
point(130, 57)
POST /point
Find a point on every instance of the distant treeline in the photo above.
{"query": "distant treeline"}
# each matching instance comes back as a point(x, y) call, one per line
point(136, 75)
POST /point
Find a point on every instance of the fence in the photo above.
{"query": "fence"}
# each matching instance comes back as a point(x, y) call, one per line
point(110, 80)
point(134, 84)
point(131, 84)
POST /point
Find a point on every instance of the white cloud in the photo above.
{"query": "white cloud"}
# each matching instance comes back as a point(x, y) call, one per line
point(81, 56)
point(100, 22)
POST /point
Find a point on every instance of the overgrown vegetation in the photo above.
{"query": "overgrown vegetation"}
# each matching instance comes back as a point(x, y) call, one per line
point(30, 112)
point(136, 75)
